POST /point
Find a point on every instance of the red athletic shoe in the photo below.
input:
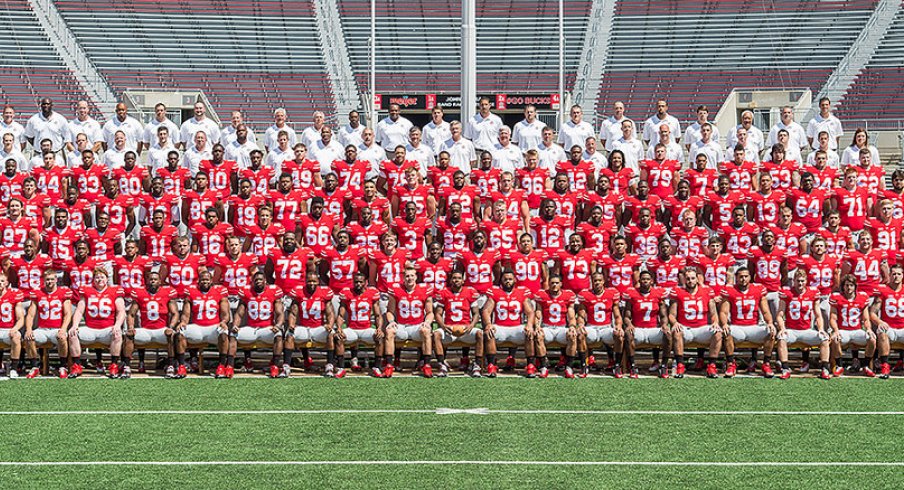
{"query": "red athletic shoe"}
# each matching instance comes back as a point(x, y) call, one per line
point(731, 370)
point(591, 362)
point(767, 370)
point(633, 373)
point(884, 371)
point(786, 373)
point(543, 372)
point(663, 371)
point(274, 371)
point(492, 370)
point(33, 373)
point(530, 371)
point(113, 371)
point(611, 364)
point(569, 373)
point(711, 371)
point(181, 371)
point(76, 370)
point(868, 372)
point(561, 363)
point(899, 366)
point(427, 371)
point(340, 373)
point(824, 373)
point(388, 370)
point(63, 372)
point(509, 363)
point(376, 373)
point(308, 363)
point(698, 365)
point(838, 371)
point(230, 372)
point(679, 370)
point(220, 372)
point(617, 373)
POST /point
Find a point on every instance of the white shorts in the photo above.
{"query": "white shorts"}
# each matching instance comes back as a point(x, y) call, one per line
point(89, 336)
point(855, 338)
point(4, 336)
point(195, 334)
point(697, 335)
point(751, 334)
point(648, 336)
point(46, 336)
point(363, 336)
point(896, 336)
point(255, 335)
point(320, 335)
point(808, 338)
point(409, 332)
point(150, 336)
point(556, 335)
point(469, 338)
point(600, 335)
point(513, 335)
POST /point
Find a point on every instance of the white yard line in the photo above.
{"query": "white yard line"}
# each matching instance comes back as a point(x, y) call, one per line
point(456, 411)
point(796, 464)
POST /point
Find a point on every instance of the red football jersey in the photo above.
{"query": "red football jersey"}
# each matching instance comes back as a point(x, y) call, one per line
point(236, 274)
point(578, 174)
point(50, 307)
point(15, 233)
point(260, 308)
point(173, 182)
point(781, 173)
point(205, 306)
point(220, 175)
point(302, 174)
point(702, 182)
point(434, 275)
point(359, 307)
point(411, 305)
point(8, 302)
point(118, 208)
point(265, 241)
point(549, 235)
point(102, 244)
point(661, 175)
point(317, 233)
point(892, 311)
point(768, 266)
point(850, 311)
point(130, 181)
point(89, 181)
point(576, 269)
point(677, 207)
point(807, 208)
point(534, 184)
point(821, 273)
point(411, 235)
point(837, 242)
point(378, 205)
point(554, 309)
point(853, 207)
point(599, 307)
point(689, 243)
point(418, 195)
point(645, 307)
point(866, 268)
point(183, 273)
point(620, 272)
point(211, 241)
point(154, 308)
point(502, 236)
point(479, 268)
point(165, 203)
point(130, 274)
point(744, 311)
point(597, 238)
point(389, 268)
point(30, 274)
point(740, 176)
point(800, 308)
point(869, 178)
point(693, 308)
point(61, 244)
point(287, 207)
point(722, 206)
point(260, 178)
point(455, 236)
point(245, 212)
point(715, 272)
point(766, 207)
point(457, 306)
point(158, 243)
point(311, 306)
point(509, 306)
point(886, 236)
point(80, 275)
point(367, 237)
point(789, 239)
point(666, 272)
point(289, 269)
point(351, 176)
point(100, 306)
point(645, 241)
point(487, 181)
point(342, 266)
point(528, 269)
point(50, 181)
point(618, 182)
point(739, 240)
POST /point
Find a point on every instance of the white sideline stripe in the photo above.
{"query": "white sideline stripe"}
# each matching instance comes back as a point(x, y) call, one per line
point(452, 411)
point(795, 464)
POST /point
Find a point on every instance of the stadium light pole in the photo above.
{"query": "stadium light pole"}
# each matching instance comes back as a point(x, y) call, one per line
point(468, 59)
point(561, 62)
point(372, 112)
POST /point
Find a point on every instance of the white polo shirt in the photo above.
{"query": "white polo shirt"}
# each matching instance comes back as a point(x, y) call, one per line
point(90, 127)
point(599, 161)
point(550, 156)
point(55, 128)
point(273, 132)
point(276, 157)
point(241, 153)
point(754, 137)
point(507, 158)
point(227, 135)
point(157, 155)
point(483, 131)
point(651, 127)
point(692, 134)
point(830, 124)
point(18, 156)
point(391, 133)
point(571, 134)
point(193, 125)
point(851, 156)
point(833, 159)
point(434, 135)
point(114, 157)
point(374, 154)
point(673, 151)
point(14, 128)
point(528, 136)
point(461, 154)
point(130, 126)
point(326, 154)
point(633, 151)
point(351, 136)
point(192, 159)
point(712, 150)
point(796, 134)
point(423, 155)
point(611, 130)
point(751, 153)
point(150, 131)
point(310, 135)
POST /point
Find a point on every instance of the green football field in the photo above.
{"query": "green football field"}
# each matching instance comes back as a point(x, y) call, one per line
point(452, 433)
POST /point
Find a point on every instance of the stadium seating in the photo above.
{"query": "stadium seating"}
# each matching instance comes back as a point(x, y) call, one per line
point(31, 68)
point(668, 49)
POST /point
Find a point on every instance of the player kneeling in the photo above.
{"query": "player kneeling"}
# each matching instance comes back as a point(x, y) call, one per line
point(48, 320)
point(559, 325)
point(153, 320)
point(262, 304)
point(599, 316)
point(887, 314)
point(12, 318)
point(508, 317)
point(695, 320)
point(646, 322)
point(208, 321)
point(312, 319)
point(104, 310)
point(799, 310)
point(359, 310)
point(456, 314)
point(849, 321)
point(746, 316)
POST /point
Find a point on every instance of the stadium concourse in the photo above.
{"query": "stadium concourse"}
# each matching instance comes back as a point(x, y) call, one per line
point(511, 247)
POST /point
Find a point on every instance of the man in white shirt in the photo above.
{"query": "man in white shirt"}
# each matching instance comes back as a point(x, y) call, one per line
point(350, 134)
point(227, 135)
point(9, 125)
point(326, 150)
point(239, 150)
point(280, 123)
point(74, 157)
point(592, 155)
point(611, 128)
point(507, 156)
point(115, 154)
point(418, 151)
point(312, 134)
point(129, 126)
point(11, 150)
point(796, 133)
point(281, 152)
point(824, 144)
point(200, 122)
point(792, 151)
point(630, 146)
point(742, 138)
point(37, 159)
point(483, 127)
point(149, 136)
point(707, 146)
point(550, 152)
point(436, 132)
point(673, 151)
point(47, 124)
point(651, 126)
point(160, 148)
point(199, 151)
point(692, 133)
point(392, 131)
point(528, 133)
point(754, 135)
point(462, 154)
point(370, 151)
point(576, 131)
point(824, 121)
point(84, 123)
